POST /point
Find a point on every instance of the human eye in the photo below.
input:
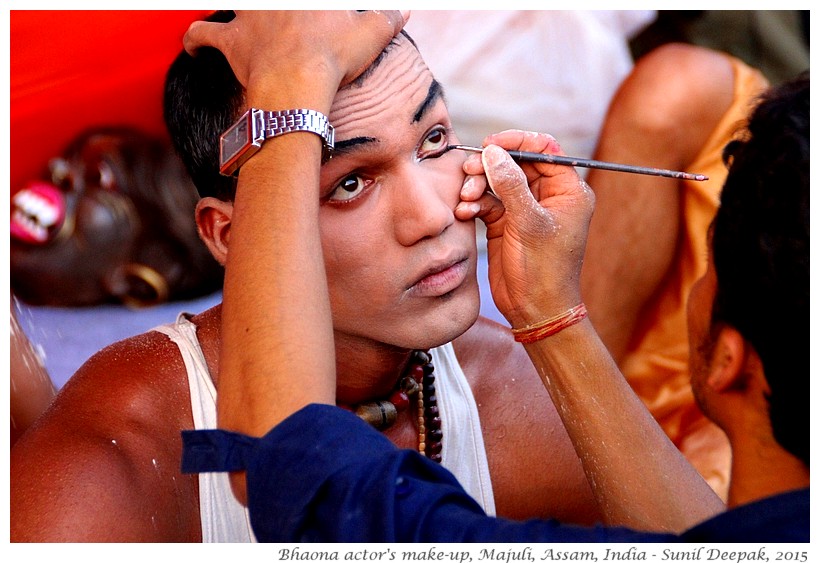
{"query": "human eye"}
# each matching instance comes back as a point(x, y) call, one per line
point(434, 143)
point(349, 188)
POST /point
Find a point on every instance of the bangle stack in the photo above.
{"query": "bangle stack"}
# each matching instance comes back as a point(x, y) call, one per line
point(548, 327)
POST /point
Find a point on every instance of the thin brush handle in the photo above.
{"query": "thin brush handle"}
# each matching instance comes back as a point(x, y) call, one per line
point(524, 156)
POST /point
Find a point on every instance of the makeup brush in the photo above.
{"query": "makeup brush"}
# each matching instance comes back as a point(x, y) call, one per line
point(524, 156)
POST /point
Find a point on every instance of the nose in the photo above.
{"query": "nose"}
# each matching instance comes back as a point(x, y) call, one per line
point(423, 203)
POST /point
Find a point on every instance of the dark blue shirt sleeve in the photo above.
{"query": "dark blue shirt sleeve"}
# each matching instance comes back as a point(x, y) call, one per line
point(324, 475)
point(780, 518)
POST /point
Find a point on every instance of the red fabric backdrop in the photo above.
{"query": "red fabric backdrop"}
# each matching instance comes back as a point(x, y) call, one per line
point(74, 69)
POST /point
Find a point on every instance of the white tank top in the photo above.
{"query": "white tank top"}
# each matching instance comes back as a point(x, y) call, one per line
point(224, 519)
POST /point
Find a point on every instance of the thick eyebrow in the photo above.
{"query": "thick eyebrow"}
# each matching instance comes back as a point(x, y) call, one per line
point(345, 146)
point(433, 94)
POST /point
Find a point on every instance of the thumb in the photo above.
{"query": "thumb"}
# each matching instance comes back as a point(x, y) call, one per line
point(508, 181)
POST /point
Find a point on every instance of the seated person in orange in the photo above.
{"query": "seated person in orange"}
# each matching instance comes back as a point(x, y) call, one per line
point(112, 224)
point(677, 109)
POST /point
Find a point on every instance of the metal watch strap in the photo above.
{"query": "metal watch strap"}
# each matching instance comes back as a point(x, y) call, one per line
point(274, 123)
point(247, 135)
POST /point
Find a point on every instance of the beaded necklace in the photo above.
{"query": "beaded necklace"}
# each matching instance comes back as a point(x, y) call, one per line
point(417, 381)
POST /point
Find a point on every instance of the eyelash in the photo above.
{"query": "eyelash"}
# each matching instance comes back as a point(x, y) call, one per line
point(440, 150)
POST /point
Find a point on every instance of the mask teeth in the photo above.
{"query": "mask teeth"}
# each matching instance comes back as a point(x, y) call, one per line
point(37, 212)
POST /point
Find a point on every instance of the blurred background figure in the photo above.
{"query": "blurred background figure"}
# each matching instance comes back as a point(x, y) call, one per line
point(31, 388)
point(776, 42)
point(553, 71)
point(107, 131)
point(113, 223)
point(106, 241)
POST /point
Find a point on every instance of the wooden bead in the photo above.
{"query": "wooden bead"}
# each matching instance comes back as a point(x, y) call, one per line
point(400, 400)
point(418, 381)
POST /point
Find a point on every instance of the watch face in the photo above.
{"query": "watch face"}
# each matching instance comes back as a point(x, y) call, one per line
point(234, 140)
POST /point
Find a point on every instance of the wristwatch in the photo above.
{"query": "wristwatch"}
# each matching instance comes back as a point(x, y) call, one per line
point(245, 137)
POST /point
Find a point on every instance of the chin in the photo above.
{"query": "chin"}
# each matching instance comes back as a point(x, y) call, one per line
point(453, 316)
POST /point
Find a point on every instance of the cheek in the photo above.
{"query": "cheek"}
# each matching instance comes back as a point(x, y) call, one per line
point(356, 265)
point(449, 175)
point(698, 311)
point(693, 312)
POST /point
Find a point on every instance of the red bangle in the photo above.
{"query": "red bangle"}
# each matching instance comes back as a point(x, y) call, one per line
point(554, 325)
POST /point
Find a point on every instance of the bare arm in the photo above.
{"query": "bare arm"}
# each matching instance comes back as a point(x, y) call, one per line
point(629, 461)
point(536, 251)
point(31, 387)
point(102, 464)
point(661, 116)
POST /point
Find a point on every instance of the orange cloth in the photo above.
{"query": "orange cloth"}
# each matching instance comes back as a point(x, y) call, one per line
point(656, 364)
point(70, 70)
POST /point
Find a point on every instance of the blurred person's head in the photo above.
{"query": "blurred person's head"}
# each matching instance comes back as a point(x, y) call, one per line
point(755, 295)
point(113, 223)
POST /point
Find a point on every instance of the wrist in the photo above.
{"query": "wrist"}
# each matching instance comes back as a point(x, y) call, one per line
point(314, 89)
point(550, 326)
point(535, 308)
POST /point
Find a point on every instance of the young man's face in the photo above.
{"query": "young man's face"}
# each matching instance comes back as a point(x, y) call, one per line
point(401, 267)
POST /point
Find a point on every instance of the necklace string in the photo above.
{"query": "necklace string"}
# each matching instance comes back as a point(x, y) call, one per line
point(418, 381)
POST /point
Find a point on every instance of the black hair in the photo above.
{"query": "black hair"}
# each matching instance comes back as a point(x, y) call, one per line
point(761, 252)
point(202, 99)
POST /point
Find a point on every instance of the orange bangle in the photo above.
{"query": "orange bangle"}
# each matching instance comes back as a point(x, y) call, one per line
point(554, 325)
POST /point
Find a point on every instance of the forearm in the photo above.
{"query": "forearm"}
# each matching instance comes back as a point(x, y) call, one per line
point(276, 314)
point(277, 351)
point(638, 476)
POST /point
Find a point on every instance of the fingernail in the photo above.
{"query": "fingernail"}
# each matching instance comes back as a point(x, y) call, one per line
point(469, 207)
point(501, 163)
point(467, 186)
point(492, 155)
point(496, 157)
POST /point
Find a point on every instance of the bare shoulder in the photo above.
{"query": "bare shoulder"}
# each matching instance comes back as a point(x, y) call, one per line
point(102, 463)
point(678, 82)
point(495, 365)
point(675, 95)
point(534, 467)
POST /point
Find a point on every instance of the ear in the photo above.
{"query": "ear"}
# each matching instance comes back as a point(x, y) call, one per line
point(213, 221)
point(727, 365)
